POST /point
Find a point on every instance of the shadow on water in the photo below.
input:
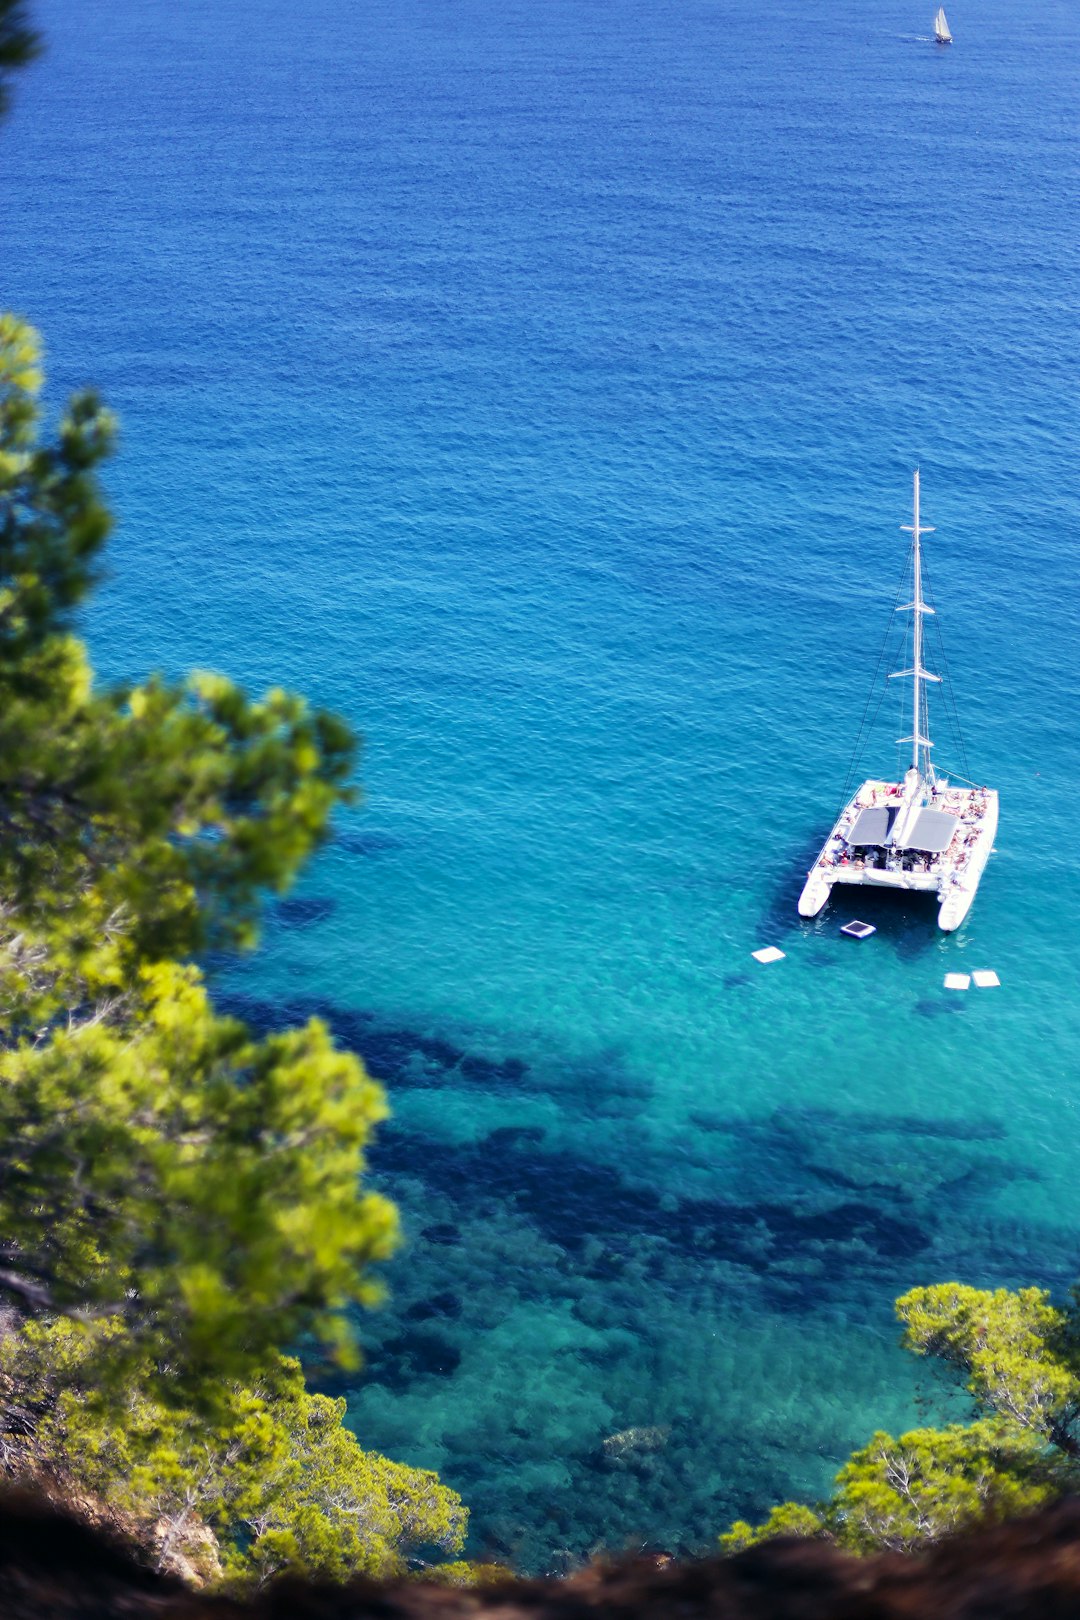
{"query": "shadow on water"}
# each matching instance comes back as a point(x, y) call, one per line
point(943, 1006)
point(779, 917)
point(907, 922)
point(736, 981)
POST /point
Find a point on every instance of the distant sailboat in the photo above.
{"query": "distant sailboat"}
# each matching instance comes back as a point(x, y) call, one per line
point(941, 28)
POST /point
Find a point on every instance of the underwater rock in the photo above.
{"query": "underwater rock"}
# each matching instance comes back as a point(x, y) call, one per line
point(651, 1438)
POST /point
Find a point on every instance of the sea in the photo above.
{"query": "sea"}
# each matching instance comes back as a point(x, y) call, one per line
point(539, 383)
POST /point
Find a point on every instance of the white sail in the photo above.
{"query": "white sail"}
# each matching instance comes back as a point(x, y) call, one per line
point(941, 27)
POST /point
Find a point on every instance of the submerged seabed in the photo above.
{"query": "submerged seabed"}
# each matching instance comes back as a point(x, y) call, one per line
point(541, 387)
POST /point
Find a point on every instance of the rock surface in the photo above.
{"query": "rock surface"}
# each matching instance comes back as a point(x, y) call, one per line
point(54, 1568)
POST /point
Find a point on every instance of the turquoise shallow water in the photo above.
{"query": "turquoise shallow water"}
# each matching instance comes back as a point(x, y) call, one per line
point(540, 385)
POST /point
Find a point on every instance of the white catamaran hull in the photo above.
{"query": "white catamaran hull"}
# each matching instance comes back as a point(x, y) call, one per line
point(956, 903)
point(951, 874)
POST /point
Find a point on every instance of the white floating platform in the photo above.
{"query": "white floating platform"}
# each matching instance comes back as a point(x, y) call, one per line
point(985, 979)
point(858, 930)
point(768, 954)
point(957, 981)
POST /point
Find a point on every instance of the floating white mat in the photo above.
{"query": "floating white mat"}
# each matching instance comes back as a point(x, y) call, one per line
point(985, 979)
point(768, 954)
point(859, 930)
point(957, 981)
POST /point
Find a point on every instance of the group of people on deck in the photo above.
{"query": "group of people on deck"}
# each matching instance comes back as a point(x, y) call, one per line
point(968, 805)
point(838, 852)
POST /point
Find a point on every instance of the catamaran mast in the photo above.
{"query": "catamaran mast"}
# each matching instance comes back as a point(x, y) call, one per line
point(918, 607)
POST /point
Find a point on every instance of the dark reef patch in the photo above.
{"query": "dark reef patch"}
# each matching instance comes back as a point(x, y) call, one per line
point(810, 1125)
point(836, 1178)
point(710, 1123)
point(835, 1121)
point(416, 1353)
point(400, 1057)
point(830, 1208)
point(570, 1202)
point(303, 911)
point(814, 1203)
point(446, 1306)
point(981, 1177)
point(441, 1232)
point(805, 1213)
point(364, 843)
point(513, 1136)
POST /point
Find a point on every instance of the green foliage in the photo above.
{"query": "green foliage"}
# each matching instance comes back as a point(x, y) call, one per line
point(55, 522)
point(155, 1160)
point(1017, 1349)
point(900, 1494)
point(789, 1519)
point(273, 1475)
point(1020, 1355)
point(465, 1572)
point(19, 44)
point(199, 1183)
point(325, 1507)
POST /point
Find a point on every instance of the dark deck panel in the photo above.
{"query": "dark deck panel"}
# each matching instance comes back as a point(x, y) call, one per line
point(932, 832)
point(873, 826)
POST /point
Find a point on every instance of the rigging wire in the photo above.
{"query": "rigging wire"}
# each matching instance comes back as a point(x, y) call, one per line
point(874, 686)
point(903, 697)
point(952, 714)
point(965, 779)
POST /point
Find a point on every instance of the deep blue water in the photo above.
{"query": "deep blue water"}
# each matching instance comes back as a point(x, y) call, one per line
point(540, 384)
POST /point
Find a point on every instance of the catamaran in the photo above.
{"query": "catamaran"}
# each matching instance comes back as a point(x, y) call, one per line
point(941, 28)
point(924, 833)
